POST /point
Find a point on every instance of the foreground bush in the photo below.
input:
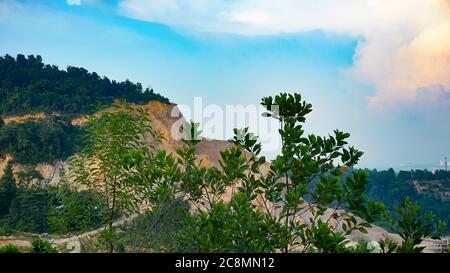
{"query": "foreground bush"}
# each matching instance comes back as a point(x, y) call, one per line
point(40, 245)
point(308, 199)
point(10, 248)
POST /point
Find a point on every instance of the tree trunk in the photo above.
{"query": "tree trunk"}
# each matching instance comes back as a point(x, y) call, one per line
point(111, 219)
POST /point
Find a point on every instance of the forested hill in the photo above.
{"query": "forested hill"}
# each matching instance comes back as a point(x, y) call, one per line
point(27, 85)
point(431, 190)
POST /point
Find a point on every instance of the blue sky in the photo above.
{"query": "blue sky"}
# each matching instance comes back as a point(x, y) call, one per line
point(354, 74)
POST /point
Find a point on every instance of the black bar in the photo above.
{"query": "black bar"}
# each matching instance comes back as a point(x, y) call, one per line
point(141, 263)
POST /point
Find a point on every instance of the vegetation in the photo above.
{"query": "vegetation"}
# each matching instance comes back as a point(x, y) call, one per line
point(10, 248)
point(59, 209)
point(391, 189)
point(309, 168)
point(40, 245)
point(155, 230)
point(27, 85)
point(36, 141)
point(413, 225)
point(114, 154)
point(75, 211)
point(29, 210)
point(8, 189)
point(235, 227)
point(309, 199)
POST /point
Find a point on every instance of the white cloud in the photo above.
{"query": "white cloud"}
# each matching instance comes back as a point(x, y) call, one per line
point(406, 43)
point(74, 2)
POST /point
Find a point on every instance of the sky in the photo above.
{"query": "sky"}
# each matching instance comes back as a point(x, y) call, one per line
point(379, 69)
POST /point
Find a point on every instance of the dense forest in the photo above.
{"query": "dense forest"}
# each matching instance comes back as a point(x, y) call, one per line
point(37, 141)
point(26, 207)
point(391, 188)
point(27, 85)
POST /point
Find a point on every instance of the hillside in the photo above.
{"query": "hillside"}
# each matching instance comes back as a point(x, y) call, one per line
point(430, 190)
point(160, 114)
point(38, 137)
point(27, 85)
point(39, 101)
point(44, 110)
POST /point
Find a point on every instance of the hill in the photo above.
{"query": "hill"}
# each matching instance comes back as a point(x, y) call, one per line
point(27, 85)
point(429, 189)
point(38, 102)
point(43, 112)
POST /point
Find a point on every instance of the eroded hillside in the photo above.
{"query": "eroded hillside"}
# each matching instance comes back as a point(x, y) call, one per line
point(163, 117)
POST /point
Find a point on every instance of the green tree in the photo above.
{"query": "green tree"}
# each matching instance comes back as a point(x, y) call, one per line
point(8, 189)
point(301, 195)
point(156, 230)
point(236, 227)
point(309, 199)
point(75, 211)
point(303, 190)
point(393, 190)
point(116, 144)
point(414, 226)
point(311, 166)
point(29, 210)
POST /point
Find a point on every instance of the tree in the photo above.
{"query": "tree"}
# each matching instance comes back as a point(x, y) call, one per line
point(156, 230)
point(393, 192)
point(8, 189)
point(303, 188)
point(414, 226)
point(75, 211)
point(116, 144)
point(301, 196)
point(36, 141)
point(235, 227)
point(29, 210)
point(309, 199)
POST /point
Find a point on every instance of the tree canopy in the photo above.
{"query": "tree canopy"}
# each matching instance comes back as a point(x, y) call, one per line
point(8, 189)
point(28, 85)
point(37, 141)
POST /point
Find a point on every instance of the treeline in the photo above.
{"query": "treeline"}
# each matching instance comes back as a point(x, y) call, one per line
point(25, 207)
point(37, 141)
point(392, 188)
point(27, 85)
point(419, 175)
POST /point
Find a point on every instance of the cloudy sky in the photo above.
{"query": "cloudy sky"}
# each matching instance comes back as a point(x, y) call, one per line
point(379, 69)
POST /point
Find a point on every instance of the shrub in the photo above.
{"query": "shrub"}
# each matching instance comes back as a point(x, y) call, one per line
point(10, 248)
point(40, 245)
